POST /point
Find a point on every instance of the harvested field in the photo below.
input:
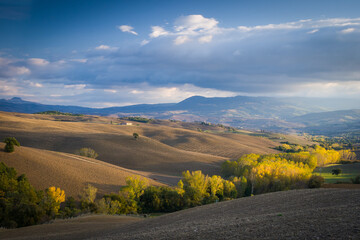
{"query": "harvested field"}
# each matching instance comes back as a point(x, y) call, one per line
point(69, 172)
point(160, 149)
point(297, 214)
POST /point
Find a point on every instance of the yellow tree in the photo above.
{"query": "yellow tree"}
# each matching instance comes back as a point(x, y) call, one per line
point(53, 197)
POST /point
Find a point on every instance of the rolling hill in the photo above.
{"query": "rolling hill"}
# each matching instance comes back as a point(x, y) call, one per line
point(296, 214)
point(269, 113)
point(164, 149)
point(69, 172)
point(333, 123)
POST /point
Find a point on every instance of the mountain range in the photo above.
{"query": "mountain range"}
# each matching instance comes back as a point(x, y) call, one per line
point(295, 114)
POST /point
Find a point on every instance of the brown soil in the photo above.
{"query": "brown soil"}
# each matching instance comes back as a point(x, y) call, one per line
point(160, 149)
point(297, 214)
point(84, 226)
point(69, 172)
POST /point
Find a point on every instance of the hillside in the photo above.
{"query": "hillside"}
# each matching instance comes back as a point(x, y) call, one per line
point(69, 172)
point(333, 123)
point(297, 214)
point(160, 149)
point(269, 113)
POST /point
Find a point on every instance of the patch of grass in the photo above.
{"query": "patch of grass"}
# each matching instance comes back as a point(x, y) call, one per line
point(348, 171)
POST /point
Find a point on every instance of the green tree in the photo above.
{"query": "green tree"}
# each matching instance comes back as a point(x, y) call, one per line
point(10, 143)
point(87, 152)
point(89, 193)
point(135, 187)
point(136, 136)
point(19, 201)
point(336, 171)
point(195, 185)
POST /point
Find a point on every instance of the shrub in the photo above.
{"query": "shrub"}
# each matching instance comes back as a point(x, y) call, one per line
point(356, 180)
point(10, 143)
point(336, 171)
point(87, 152)
point(135, 135)
point(316, 181)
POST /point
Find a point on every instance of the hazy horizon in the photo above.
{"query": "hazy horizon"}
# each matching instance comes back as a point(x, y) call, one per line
point(120, 53)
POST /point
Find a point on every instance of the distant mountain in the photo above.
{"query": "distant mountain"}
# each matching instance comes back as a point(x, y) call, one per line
point(331, 123)
point(268, 113)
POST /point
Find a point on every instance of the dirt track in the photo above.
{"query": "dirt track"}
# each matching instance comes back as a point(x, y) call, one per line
point(300, 214)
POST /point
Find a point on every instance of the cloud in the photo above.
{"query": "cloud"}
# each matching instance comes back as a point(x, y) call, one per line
point(193, 24)
point(75, 86)
point(144, 42)
point(105, 47)
point(38, 62)
point(127, 28)
point(348, 30)
point(157, 31)
point(181, 39)
point(197, 56)
point(186, 28)
point(205, 39)
point(313, 31)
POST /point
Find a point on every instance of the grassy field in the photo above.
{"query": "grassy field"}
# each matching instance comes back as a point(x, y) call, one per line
point(348, 171)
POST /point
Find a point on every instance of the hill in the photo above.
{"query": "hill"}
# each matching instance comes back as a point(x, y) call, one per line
point(269, 113)
point(160, 149)
point(333, 123)
point(69, 172)
point(297, 214)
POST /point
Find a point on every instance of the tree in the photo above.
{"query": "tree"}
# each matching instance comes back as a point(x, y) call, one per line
point(336, 171)
point(89, 193)
point(136, 136)
point(19, 201)
point(53, 197)
point(87, 152)
point(316, 181)
point(10, 143)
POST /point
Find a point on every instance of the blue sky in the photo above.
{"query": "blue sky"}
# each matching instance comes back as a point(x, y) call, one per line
point(114, 53)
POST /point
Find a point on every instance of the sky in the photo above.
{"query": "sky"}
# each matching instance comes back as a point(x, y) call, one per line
point(113, 53)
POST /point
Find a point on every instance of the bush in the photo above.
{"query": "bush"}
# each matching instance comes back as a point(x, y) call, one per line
point(356, 180)
point(87, 152)
point(136, 135)
point(336, 171)
point(316, 181)
point(10, 143)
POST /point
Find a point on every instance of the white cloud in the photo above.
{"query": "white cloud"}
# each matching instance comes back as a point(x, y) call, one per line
point(313, 31)
point(144, 42)
point(110, 90)
point(19, 70)
point(38, 62)
point(136, 92)
point(127, 28)
point(80, 60)
point(205, 39)
point(158, 31)
point(105, 47)
point(305, 24)
point(38, 85)
point(194, 23)
point(181, 40)
point(75, 86)
point(348, 30)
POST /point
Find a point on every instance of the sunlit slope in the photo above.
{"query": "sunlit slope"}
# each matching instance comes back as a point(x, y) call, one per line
point(69, 172)
point(160, 149)
point(114, 144)
point(226, 145)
